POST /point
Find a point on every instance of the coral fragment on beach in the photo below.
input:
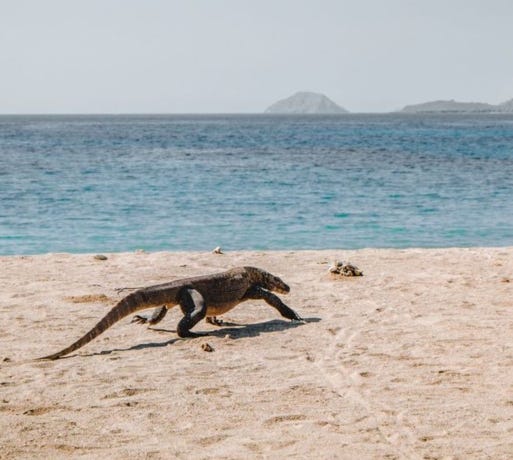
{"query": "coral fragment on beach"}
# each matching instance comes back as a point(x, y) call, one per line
point(345, 269)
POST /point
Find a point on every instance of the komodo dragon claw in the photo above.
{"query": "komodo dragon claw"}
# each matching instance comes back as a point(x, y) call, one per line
point(156, 316)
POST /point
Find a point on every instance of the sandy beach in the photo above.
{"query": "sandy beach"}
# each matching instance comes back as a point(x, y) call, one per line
point(414, 360)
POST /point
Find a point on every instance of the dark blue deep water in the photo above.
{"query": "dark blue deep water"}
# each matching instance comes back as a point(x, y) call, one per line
point(178, 182)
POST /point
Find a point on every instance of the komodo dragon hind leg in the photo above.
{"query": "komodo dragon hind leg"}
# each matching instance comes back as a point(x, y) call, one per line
point(257, 292)
point(194, 308)
point(156, 316)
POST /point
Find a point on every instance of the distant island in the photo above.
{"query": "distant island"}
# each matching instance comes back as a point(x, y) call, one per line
point(506, 106)
point(453, 106)
point(307, 103)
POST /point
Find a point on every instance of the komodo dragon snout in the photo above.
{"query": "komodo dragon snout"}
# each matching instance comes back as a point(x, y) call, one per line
point(268, 280)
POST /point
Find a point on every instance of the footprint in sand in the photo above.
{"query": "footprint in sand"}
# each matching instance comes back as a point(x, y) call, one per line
point(38, 411)
point(284, 418)
point(209, 440)
point(125, 392)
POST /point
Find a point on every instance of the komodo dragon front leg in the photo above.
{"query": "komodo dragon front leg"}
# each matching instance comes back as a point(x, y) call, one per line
point(258, 292)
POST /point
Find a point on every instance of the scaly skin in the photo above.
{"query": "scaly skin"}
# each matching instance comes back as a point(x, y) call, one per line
point(198, 297)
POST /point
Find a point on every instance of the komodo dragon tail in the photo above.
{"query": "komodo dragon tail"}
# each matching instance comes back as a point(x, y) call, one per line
point(138, 300)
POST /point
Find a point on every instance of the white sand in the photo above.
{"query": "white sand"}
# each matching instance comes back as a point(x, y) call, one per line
point(412, 360)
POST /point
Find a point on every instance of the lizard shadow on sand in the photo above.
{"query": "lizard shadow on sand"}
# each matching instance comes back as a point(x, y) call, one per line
point(234, 331)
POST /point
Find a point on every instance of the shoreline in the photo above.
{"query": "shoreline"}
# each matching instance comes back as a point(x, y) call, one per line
point(412, 359)
point(254, 251)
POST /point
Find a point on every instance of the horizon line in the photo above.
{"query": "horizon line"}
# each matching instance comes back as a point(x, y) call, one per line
point(395, 112)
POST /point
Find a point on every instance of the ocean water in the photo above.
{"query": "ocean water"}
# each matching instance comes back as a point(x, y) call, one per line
point(178, 182)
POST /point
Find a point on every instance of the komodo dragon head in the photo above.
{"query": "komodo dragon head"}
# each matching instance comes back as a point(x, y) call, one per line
point(267, 280)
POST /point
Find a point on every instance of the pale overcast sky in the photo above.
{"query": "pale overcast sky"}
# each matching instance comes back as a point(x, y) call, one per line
point(140, 56)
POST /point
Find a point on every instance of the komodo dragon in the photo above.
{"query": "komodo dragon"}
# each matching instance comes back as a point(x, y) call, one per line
point(198, 297)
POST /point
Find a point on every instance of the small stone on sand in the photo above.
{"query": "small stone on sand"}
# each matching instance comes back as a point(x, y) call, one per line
point(206, 347)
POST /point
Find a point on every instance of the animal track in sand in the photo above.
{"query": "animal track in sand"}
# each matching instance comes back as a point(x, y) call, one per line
point(88, 298)
point(126, 392)
point(38, 410)
point(285, 418)
point(209, 440)
point(222, 391)
point(348, 383)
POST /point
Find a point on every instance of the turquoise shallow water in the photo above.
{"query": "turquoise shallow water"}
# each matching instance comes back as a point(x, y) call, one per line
point(176, 182)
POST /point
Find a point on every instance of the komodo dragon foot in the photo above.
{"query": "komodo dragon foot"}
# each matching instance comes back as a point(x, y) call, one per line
point(215, 321)
point(156, 316)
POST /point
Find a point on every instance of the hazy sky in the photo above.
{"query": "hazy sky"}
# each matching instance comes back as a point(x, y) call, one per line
point(93, 56)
